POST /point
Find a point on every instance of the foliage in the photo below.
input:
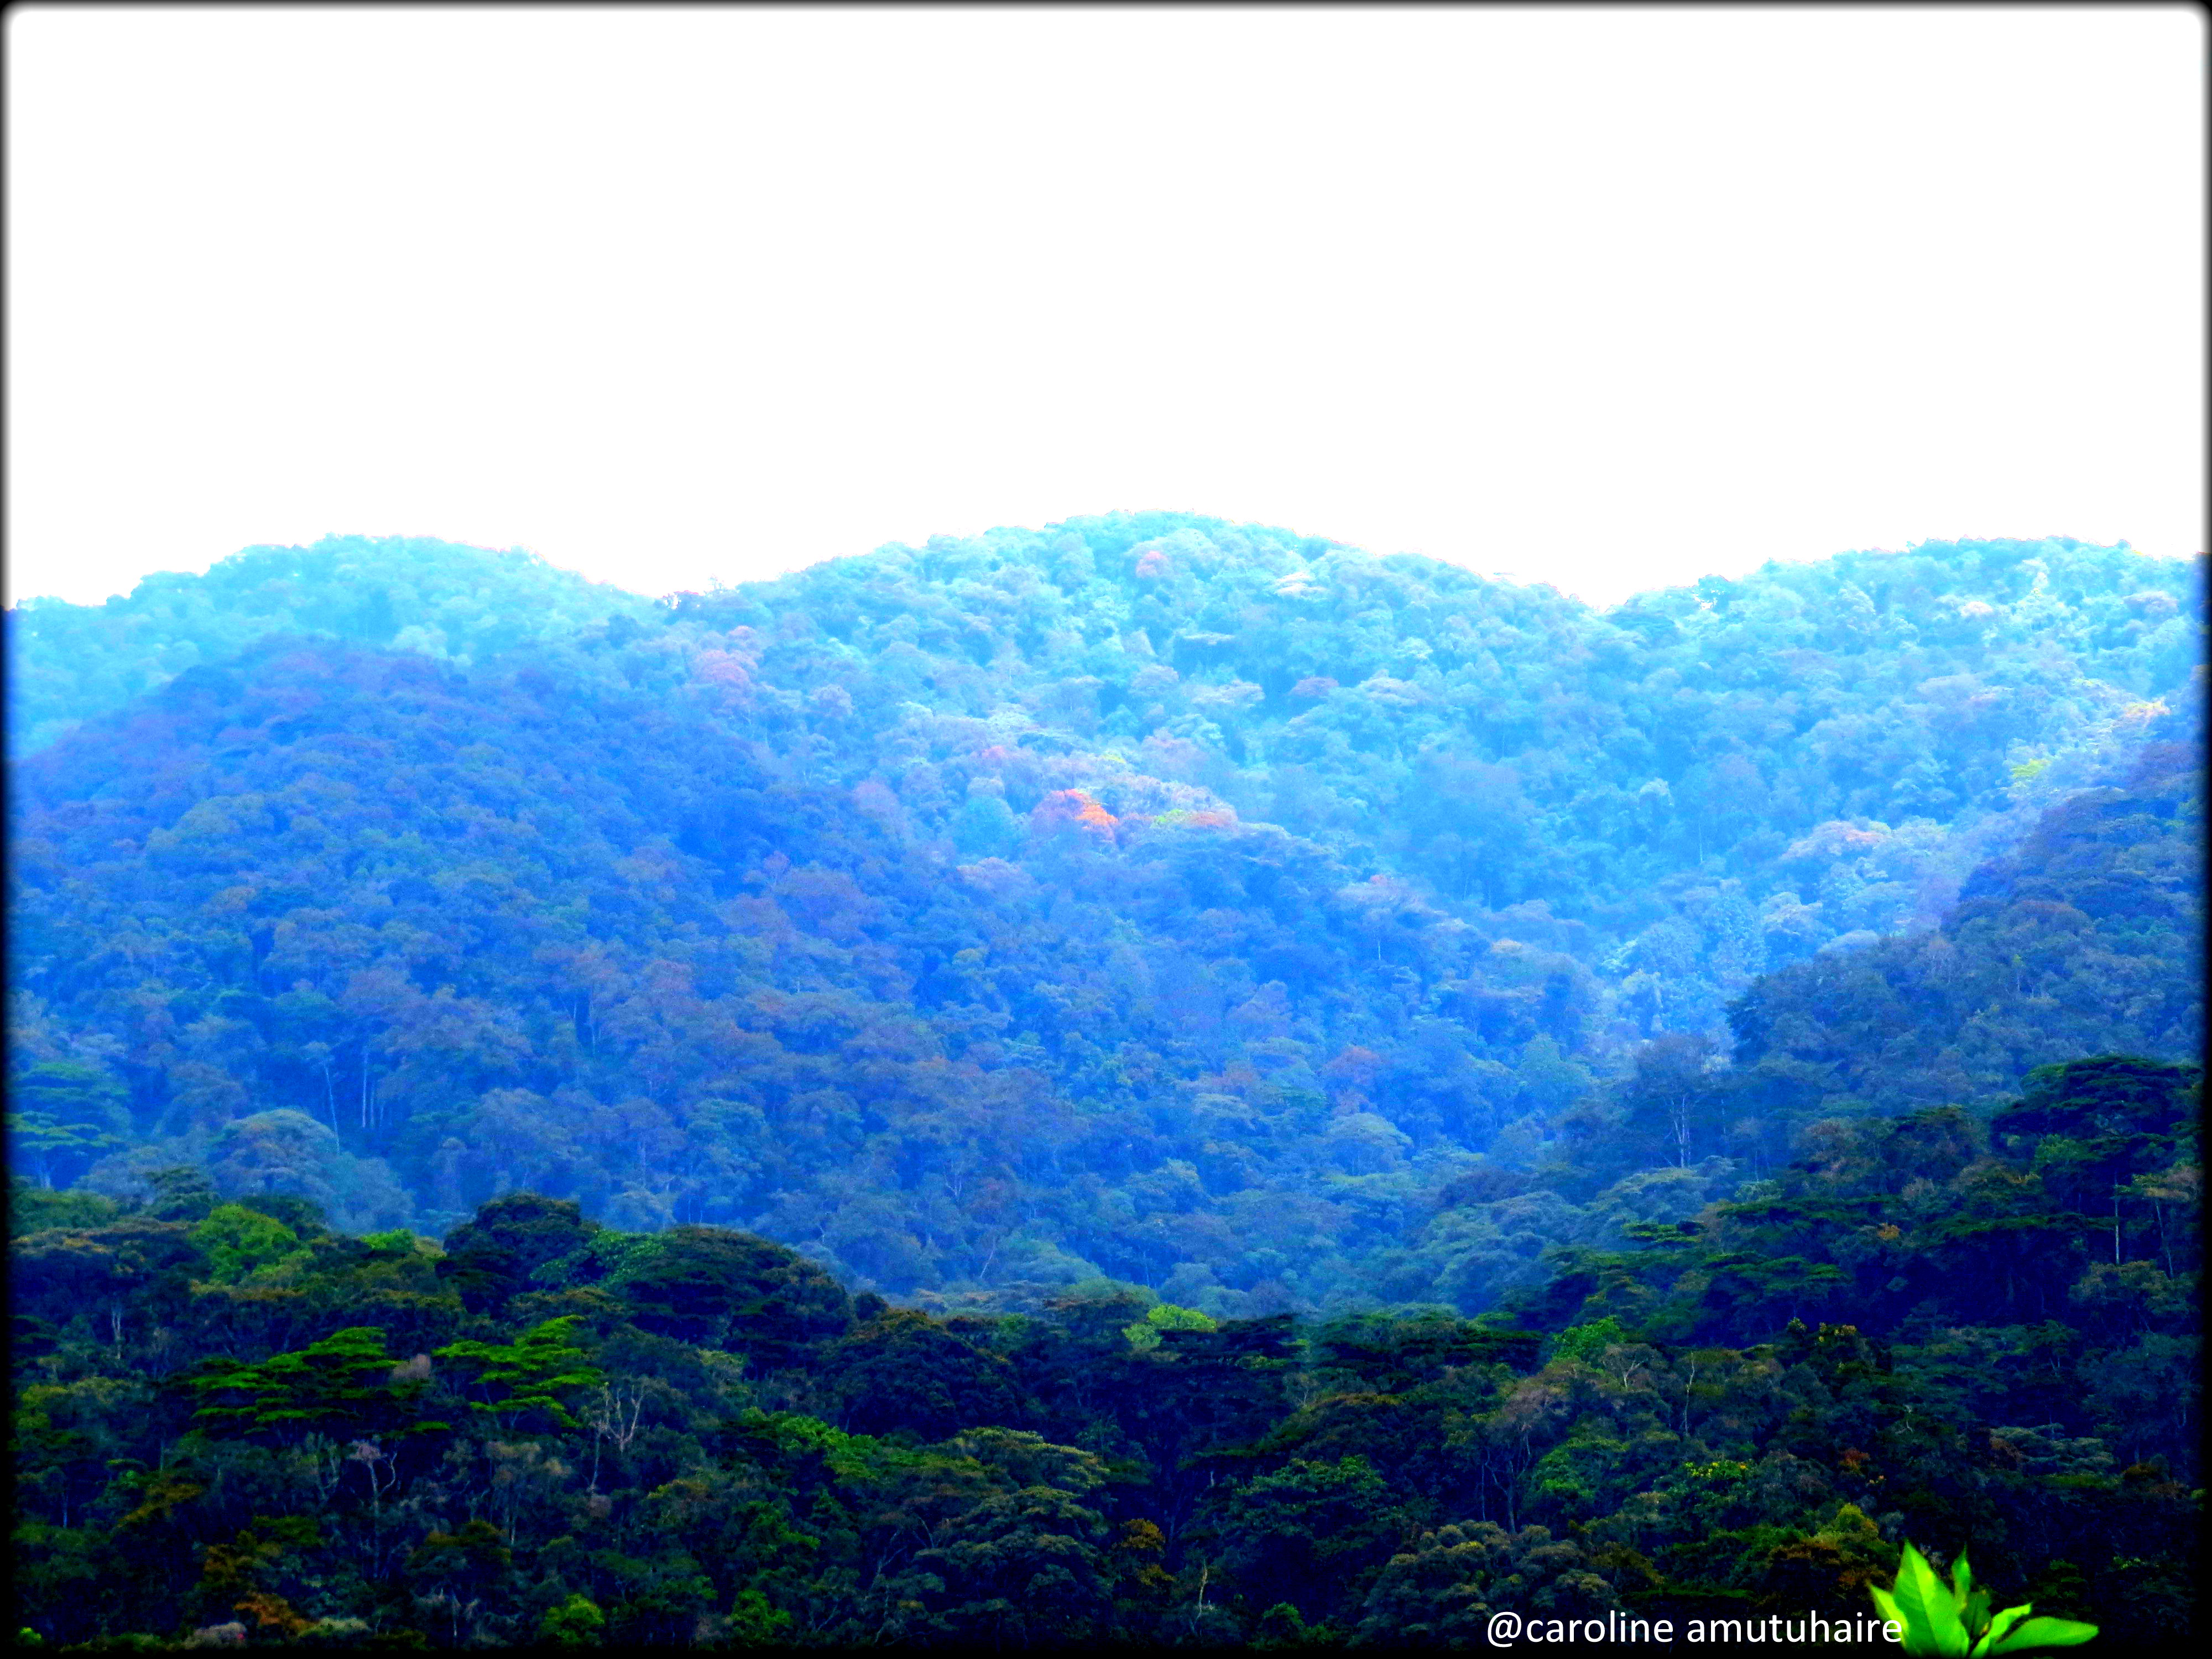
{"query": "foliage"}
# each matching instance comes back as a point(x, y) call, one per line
point(575, 1623)
point(64, 1114)
point(245, 1245)
point(1955, 1617)
point(345, 1383)
point(1151, 1081)
point(1148, 896)
point(1653, 1448)
point(69, 662)
point(1144, 1334)
point(530, 1375)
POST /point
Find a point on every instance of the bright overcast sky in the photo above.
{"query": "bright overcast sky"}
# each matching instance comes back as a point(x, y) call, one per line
point(1612, 299)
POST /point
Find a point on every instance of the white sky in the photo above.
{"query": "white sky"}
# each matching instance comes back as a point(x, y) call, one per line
point(1611, 299)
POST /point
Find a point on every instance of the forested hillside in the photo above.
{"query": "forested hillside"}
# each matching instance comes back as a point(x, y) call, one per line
point(1149, 897)
point(1152, 1080)
point(67, 662)
point(1978, 1336)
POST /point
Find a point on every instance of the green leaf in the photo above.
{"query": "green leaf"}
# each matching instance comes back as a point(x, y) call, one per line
point(1973, 1605)
point(1930, 1621)
point(1998, 1626)
point(1975, 1615)
point(2042, 1633)
point(1885, 1605)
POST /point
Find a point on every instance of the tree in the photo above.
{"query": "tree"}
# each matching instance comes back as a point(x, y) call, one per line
point(901, 1371)
point(2108, 1096)
point(283, 1151)
point(1022, 1565)
point(577, 1622)
point(535, 1375)
point(346, 1386)
point(1442, 1590)
point(1675, 1100)
point(492, 1256)
point(714, 1285)
point(63, 1115)
point(1144, 1334)
point(1302, 1534)
point(463, 1568)
point(134, 1267)
point(242, 1244)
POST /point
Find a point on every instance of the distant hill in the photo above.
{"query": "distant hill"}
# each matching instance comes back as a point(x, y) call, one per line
point(2088, 935)
point(1148, 894)
point(2086, 938)
point(68, 662)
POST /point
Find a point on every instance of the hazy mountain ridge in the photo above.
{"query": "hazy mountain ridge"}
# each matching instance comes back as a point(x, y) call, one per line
point(69, 662)
point(924, 909)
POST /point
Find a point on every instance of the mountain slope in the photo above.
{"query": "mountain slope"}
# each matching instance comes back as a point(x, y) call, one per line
point(1184, 901)
point(2087, 938)
point(2087, 935)
point(69, 662)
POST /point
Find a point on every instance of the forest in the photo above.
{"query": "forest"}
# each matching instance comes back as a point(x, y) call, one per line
point(545, 1430)
point(1152, 1080)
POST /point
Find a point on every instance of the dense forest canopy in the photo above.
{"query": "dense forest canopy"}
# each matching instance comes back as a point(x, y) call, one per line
point(1152, 1078)
point(232, 1421)
point(1148, 895)
point(67, 662)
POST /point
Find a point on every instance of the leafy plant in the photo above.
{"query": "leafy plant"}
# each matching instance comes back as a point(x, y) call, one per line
point(1955, 1618)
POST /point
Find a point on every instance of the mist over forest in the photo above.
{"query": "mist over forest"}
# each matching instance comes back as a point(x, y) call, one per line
point(1150, 1079)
